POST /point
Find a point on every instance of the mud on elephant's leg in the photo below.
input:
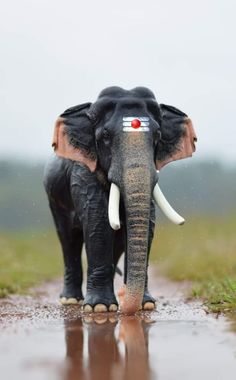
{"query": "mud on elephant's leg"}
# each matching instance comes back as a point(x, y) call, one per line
point(91, 204)
point(71, 242)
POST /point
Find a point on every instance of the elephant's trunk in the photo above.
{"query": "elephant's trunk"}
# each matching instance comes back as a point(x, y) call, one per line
point(136, 180)
point(137, 199)
point(137, 204)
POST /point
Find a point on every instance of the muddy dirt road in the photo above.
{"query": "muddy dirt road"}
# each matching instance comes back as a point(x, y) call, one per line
point(41, 340)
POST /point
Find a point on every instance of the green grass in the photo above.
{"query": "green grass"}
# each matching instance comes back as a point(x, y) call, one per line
point(27, 259)
point(203, 251)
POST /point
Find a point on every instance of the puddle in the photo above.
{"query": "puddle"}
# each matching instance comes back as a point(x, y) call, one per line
point(40, 340)
point(142, 347)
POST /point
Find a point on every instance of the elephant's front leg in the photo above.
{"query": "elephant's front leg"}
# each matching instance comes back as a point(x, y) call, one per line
point(91, 204)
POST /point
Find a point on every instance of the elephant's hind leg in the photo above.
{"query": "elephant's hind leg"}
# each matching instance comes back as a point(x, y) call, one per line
point(71, 240)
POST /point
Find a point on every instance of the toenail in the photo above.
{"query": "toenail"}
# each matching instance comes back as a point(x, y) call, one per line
point(88, 309)
point(113, 307)
point(100, 308)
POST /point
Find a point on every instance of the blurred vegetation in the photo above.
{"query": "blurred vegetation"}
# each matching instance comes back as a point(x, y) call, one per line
point(204, 252)
point(26, 259)
point(23, 202)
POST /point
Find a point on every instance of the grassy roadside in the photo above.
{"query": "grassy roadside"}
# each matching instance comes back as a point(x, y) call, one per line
point(204, 252)
point(26, 259)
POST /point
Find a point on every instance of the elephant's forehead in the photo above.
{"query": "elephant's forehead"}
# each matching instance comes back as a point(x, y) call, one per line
point(116, 93)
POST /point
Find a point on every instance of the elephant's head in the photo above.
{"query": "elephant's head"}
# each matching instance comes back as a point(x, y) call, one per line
point(129, 136)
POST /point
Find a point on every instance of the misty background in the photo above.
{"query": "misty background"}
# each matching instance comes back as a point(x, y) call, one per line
point(58, 54)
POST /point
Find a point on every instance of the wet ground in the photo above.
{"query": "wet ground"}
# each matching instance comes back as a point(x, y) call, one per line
point(41, 340)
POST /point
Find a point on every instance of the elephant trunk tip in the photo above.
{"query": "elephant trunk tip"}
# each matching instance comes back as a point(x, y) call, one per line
point(129, 303)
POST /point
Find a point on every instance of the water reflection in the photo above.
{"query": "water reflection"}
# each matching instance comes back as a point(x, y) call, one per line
point(107, 348)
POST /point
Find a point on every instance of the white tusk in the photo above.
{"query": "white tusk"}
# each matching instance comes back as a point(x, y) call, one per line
point(113, 207)
point(166, 208)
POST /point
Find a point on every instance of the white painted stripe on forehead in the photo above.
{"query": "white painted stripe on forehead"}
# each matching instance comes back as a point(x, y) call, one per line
point(131, 129)
point(128, 123)
point(130, 118)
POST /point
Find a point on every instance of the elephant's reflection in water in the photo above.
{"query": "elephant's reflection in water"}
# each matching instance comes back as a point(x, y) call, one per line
point(107, 349)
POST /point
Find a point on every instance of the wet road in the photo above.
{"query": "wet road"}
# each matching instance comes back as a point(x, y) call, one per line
point(41, 340)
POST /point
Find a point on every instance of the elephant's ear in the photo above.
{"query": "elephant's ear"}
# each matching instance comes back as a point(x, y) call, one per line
point(73, 136)
point(177, 136)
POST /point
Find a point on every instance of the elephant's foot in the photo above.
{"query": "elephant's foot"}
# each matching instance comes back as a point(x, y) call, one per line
point(100, 308)
point(71, 301)
point(100, 301)
point(148, 304)
point(71, 295)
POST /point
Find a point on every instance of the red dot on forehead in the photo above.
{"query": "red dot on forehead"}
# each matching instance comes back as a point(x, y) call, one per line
point(135, 123)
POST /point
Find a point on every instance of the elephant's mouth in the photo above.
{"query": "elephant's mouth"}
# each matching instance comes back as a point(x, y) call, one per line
point(159, 198)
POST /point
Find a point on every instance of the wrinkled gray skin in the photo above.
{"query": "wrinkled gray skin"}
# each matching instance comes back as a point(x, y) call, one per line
point(79, 198)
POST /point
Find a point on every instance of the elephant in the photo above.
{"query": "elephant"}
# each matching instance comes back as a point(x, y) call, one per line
point(102, 183)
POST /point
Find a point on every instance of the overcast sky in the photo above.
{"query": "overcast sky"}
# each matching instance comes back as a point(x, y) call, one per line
point(57, 53)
